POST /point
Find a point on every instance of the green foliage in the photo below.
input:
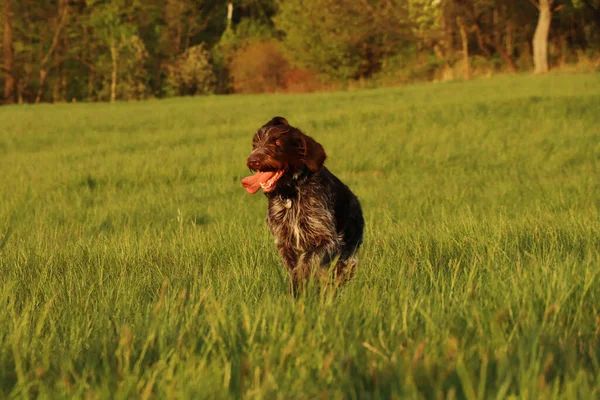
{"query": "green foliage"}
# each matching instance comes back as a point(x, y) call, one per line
point(337, 43)
point(342, 39)
point(259, 67)
point(192, 73)
point(322, 40)
point(246, 34)
point(248, 30)
point(108, 19)
point(134, 78)
point(426, 16)
point(121, 47)
point(134, 265)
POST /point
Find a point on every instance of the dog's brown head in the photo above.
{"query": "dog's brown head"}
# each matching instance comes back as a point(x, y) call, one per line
point(280, 150)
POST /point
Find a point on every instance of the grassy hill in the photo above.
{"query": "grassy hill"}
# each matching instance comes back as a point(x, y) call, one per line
point(134, 265)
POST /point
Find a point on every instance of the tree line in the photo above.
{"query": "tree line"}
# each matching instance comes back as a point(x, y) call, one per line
point(108, 50)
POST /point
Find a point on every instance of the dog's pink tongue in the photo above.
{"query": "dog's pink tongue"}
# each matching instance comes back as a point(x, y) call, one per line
point(252, 183)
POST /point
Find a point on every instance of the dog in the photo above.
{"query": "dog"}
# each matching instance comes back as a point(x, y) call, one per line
point(316, 220)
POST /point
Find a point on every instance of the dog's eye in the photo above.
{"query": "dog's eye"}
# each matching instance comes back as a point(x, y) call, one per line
point(278, 143)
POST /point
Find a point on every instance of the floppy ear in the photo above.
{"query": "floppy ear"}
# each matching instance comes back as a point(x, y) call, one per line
point(314, 154)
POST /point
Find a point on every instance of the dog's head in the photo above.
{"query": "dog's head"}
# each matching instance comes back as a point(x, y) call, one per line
point(280, 150)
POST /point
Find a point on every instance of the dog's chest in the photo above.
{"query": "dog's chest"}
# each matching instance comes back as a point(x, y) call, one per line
point(297, 223)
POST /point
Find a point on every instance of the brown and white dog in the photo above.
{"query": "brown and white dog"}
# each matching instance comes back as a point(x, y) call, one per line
point(315, 218)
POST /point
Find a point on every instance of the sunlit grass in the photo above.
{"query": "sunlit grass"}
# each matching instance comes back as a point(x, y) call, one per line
point(133, 264)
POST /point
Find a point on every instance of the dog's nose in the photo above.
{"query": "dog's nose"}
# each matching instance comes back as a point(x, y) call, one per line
point(253, 162)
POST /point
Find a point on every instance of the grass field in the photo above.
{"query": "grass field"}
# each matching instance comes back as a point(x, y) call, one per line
point(134, 265)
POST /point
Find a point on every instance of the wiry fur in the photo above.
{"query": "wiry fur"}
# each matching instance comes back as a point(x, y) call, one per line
point(315, 219)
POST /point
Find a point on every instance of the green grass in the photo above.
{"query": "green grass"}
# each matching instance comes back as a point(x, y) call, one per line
point(134, 265)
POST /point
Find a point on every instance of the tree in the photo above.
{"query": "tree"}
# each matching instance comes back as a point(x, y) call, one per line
point(184, 20)
point(464, 38)
point(483, 19)
point(594, 9)
point(191, 72)
point(342, 39)
point(45, 65)
point(112, 27)
point(9, 54)
point(96, 50)
point(540, 38)
point(41, 39)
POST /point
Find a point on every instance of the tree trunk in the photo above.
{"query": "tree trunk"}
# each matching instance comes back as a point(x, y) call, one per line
point(496, 20)
point(229, 14)
point(540, 38)
point(174, 11)
point(91, 69)
point(179, 29)
point(465, 47)
point(448, 23)
point(484, 39)
point(595, 10)
point(9, 55)
point(563, 49)
point(43, 76)
point(439, 52)
point(509, 38)
point(114, 54)
point(505, 56)
point(64, 84)
point(56, 97)
point(481, 41)
point(45, 66)
point(21, 86)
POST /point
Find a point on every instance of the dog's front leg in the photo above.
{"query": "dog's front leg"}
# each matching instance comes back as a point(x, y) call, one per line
point(312, 262)
point(290, 261)
point(289, 257)
point(301, 272)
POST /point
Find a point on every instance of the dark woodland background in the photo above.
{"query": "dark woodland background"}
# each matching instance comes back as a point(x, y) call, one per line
point(108, 50)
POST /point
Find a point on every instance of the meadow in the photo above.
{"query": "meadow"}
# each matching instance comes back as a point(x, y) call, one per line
point(134, 265)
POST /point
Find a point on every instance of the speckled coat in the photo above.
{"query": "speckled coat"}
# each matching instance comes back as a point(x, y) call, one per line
point(316, 220)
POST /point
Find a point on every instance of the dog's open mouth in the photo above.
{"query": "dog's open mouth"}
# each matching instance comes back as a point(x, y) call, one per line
point(261, 179)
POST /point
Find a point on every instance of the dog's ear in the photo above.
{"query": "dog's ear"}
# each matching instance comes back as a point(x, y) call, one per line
point(278, 121)
point(314, 155)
